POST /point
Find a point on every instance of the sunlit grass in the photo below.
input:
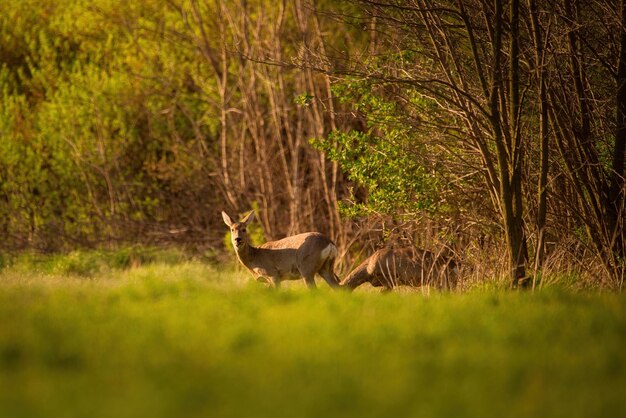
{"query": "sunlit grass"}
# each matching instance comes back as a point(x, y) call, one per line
point(193, 340)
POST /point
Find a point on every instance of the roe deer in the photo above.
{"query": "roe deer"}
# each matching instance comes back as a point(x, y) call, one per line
point(290, 258)
point(389, 268)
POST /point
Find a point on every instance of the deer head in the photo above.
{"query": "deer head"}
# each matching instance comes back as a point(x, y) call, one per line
point(238, 232)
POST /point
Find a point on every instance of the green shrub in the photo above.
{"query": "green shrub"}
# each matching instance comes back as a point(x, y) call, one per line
point(88, 263)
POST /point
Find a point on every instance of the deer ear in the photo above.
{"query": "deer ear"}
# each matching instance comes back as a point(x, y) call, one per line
point(227, 219)
point(249, 217)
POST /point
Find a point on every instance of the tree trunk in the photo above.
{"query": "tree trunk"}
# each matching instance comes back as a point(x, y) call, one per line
point(544, 155)
point(615, 204)
point(509, 155)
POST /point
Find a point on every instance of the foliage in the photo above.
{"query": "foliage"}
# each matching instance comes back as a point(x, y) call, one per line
point(384, 156)
point(194, 341)
point(124, 122)
point(504, 91)
point(87, 153)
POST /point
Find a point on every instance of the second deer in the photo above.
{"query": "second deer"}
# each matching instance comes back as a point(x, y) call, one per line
point(389, 268)
point(302, 255)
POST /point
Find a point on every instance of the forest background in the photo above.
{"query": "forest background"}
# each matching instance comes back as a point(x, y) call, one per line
point(493, 132)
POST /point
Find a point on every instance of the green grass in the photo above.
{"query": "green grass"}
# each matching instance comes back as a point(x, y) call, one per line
point(186, 340)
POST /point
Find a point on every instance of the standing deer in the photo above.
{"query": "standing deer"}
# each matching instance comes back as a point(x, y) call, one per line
point(302, 255)
point(389, 268)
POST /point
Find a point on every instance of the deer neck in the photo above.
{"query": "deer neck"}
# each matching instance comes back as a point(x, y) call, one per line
point(246, 255)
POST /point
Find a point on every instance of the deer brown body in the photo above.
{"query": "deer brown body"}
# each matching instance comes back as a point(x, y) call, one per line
point(389, 268)
point(291, 258)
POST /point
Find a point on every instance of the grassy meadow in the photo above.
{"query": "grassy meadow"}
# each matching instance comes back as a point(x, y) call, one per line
point(174, 337)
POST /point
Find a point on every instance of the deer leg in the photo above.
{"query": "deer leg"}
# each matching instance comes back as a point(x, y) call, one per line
point(276, 282)
point(328, 275)
point(310, 281)
point(331, 279)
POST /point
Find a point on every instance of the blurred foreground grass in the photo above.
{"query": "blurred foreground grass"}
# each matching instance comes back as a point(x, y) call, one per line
point(183, 339)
